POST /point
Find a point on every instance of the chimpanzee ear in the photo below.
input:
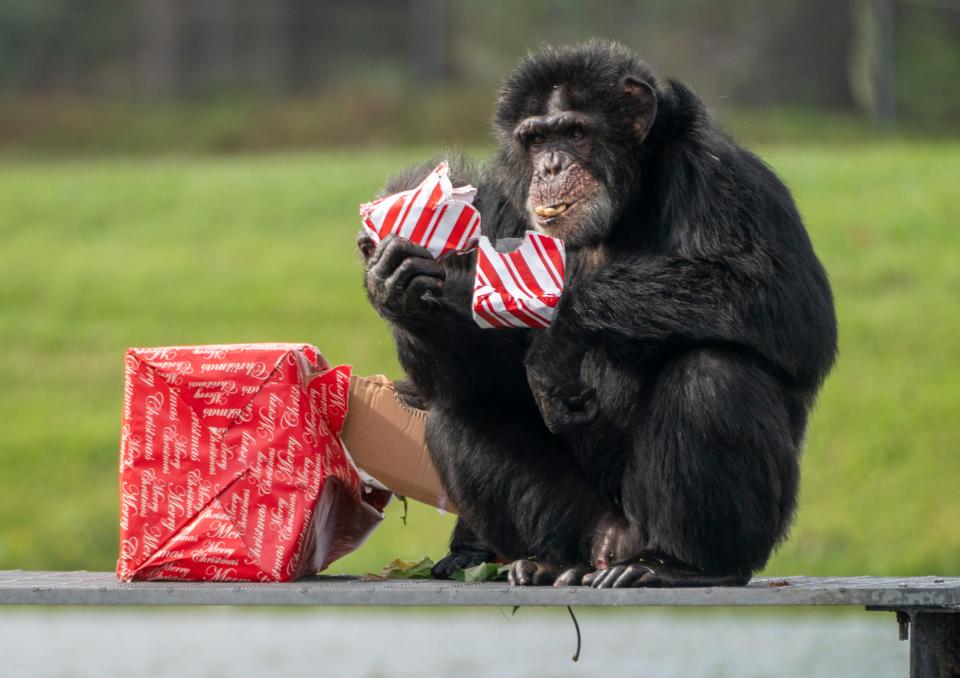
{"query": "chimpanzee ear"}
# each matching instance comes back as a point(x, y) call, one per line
point(645, 100)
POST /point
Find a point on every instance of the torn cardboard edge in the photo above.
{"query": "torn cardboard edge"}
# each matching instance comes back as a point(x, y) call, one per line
point(386, 438)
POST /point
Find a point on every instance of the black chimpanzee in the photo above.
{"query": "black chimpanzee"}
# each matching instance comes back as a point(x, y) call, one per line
point(651, 435)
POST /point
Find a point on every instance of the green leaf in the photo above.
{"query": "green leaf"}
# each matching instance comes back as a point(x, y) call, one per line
point(408, 569)
point(483, 572)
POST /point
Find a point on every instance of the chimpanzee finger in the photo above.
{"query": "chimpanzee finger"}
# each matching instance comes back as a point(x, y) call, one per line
point(382, 248)
point(582, 398)
point(415, 281)
point(544, 574)
point(366, 245)
point(609, 576)
point(521, 572)
point(591, 577)
point(631, 576)
point(594, 578)
point(423, 288)
point(392, 252)
point(582, 409)
point(572, 576)
point(413, 267)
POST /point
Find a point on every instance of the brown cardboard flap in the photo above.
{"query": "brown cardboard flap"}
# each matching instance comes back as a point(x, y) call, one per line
point(387, 439)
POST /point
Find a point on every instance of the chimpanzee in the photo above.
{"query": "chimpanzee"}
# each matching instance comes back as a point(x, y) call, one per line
point(650, 436)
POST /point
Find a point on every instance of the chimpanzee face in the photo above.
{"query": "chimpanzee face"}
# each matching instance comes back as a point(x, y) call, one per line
point(565, 192)
point(574, 143)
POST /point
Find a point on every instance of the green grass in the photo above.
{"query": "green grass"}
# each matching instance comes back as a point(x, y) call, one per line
point(99, 255)
point(362, 117)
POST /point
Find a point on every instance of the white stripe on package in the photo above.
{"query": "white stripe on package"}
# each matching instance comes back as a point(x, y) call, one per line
point(413, 216)
point(540, 271)
point(500, 310)
point(510, 285)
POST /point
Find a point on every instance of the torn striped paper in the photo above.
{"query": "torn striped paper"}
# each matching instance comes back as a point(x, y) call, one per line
point(435, 215)
point(520, 288)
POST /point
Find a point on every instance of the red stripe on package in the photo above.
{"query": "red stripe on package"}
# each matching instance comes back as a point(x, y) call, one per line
point(435, 215)
point(232, 468)
point(520, 288)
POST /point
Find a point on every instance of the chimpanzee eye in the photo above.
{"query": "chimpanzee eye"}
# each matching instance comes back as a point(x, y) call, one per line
point(536, 139)
point(576, 133)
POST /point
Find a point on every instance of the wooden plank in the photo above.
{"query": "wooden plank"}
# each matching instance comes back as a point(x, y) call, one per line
point(19, 587)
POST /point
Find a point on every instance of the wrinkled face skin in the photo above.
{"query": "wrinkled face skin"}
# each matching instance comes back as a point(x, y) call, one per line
point(565, 199)
point(578, 142)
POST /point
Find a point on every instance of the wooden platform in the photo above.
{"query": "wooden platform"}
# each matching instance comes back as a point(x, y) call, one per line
point(927, 608)
point(102, 588)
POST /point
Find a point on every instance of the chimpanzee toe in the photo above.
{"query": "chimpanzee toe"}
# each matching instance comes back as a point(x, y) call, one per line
point(531, 573)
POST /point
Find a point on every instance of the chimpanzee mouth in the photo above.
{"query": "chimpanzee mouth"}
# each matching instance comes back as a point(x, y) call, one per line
point(546, 214)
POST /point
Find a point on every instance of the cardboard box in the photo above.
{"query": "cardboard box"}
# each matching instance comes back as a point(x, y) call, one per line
point(231, 466)
point(387, 439)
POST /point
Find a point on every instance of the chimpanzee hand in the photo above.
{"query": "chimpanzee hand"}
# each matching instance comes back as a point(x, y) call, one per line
point(403, 280)
point(553, 372)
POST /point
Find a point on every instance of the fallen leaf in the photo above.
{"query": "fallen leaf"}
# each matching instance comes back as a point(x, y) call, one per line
point(482, 572)
point(408, 569)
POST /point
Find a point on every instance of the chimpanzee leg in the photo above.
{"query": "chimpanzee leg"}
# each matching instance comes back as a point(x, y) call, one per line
point(713, 482)
point(466, 548)
point(518, 487)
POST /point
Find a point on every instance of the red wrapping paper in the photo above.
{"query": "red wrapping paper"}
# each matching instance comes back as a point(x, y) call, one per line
point(435, 215)
point(231, 466)
point(520, 288)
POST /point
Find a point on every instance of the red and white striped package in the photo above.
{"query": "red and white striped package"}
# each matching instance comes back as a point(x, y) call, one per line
point(232, 467)
point(435, 215)
point(520, 288)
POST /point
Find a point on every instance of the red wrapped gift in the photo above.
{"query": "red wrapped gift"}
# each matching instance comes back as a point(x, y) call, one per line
point(520, 287)
point(231, 466)
point(435, 215)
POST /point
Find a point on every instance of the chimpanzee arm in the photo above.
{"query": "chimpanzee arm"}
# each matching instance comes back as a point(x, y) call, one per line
point(727, 262)
point(780, 311)
point(428, 304)
point(780, 315)
point(453, 360)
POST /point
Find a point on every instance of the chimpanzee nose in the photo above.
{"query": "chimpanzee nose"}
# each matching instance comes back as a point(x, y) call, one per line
point(553, 163)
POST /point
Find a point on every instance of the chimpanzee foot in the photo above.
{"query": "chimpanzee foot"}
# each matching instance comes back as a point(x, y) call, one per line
point(532, 573)
point(455, 561)
point(535, 573)
point(655, 572)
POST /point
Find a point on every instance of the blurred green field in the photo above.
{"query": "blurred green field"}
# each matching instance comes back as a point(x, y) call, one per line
point(100, 254)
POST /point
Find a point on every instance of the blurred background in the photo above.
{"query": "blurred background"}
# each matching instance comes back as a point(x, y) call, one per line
point(188, 171)
point(233, 75)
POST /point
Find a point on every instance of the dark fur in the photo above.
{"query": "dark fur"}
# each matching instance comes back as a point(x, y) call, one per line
point(696, 317)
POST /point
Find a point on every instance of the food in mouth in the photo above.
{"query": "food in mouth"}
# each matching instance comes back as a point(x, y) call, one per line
point(549, 212)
